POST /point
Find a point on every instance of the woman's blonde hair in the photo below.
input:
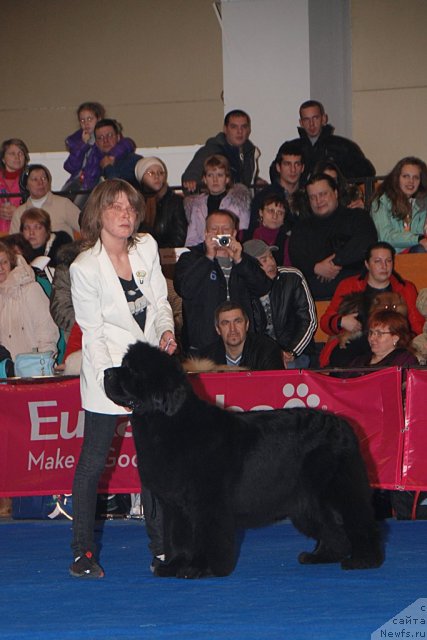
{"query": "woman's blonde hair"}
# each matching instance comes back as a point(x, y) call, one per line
point(103, 196)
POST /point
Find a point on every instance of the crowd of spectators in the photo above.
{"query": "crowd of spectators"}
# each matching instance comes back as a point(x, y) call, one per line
point(272, 249)
point(254, 256)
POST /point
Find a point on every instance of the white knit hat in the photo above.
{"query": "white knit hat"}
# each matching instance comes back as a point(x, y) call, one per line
point(145, 163)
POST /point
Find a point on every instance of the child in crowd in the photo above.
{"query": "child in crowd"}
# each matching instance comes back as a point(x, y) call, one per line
point(220, 194)
point(80, 145)
point(83, 162)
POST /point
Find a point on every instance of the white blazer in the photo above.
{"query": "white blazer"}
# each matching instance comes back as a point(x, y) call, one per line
point(103, 314)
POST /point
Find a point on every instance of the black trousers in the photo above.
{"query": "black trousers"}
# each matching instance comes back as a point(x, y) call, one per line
point(99, 430)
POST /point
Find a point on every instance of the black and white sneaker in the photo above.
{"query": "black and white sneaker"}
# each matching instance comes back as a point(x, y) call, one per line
point(86, 566)
point(158, 561)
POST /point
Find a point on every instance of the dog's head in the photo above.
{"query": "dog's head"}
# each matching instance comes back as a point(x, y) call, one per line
point(391, 301)
point(352, 303)
point(148, 380)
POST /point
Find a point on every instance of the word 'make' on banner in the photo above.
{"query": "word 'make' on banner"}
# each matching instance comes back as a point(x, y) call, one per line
point(41, 426)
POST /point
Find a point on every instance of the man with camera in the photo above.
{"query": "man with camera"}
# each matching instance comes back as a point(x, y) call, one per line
point(213, 272)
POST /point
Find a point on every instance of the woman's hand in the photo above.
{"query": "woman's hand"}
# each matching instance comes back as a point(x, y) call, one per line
point(167, 342)
point(6, 210)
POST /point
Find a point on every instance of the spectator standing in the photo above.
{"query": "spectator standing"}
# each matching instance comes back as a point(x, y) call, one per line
point(120, 296)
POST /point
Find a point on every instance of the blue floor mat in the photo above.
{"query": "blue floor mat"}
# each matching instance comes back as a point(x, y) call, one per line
point(269, 595)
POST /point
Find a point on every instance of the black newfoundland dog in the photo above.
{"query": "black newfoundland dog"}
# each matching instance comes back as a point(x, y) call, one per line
point(214, 471)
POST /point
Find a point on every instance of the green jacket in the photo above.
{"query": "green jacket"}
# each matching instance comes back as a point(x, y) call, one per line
point(390, 229)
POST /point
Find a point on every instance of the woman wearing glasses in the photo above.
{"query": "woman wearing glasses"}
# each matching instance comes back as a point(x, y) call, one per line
point(389, 339)
point(119, 296)
point(377, 277)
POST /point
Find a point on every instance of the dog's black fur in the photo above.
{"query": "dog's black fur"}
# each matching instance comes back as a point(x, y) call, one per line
point(213, 471)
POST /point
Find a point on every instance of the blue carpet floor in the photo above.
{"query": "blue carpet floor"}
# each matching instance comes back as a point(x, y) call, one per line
point(269, 596)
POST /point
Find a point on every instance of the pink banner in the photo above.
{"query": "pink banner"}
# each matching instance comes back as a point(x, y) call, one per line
point(41, 434)
point(371, 403)
point(414, 469)
point(42, 425)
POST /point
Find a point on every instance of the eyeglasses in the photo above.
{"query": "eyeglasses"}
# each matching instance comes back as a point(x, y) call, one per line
point(155, 174)
point(272, 211)
point(37, 179)
point(120, 210)
point(377, 333)
point(106, 136)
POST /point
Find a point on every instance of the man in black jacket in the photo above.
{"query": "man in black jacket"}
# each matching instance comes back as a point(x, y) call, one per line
point(236, 347)
point(233, 143)
point(319, 143)
point(287, 313)
point(214, 272)
point(331, 243)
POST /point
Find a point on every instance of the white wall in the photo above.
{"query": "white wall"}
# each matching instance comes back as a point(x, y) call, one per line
point(279, 53)
point(266, 67)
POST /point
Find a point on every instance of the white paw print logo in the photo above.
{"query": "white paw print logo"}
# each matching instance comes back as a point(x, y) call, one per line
point(299, 396)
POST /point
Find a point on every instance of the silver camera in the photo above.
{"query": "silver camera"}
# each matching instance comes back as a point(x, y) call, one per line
point(223, 241)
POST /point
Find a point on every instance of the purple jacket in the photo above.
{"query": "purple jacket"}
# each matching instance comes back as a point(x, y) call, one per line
point(89, 155)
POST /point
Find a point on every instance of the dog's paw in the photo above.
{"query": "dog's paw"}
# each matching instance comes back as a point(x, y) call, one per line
point(319, 558)
point(192, 572)
point(368, 562)
point(164, 571)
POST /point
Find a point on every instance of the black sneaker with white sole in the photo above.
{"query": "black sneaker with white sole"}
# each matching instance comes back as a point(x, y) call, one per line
point(86, 566)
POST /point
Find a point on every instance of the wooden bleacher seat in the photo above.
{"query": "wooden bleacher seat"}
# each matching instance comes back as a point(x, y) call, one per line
point(412, 267)
point(321, 306)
